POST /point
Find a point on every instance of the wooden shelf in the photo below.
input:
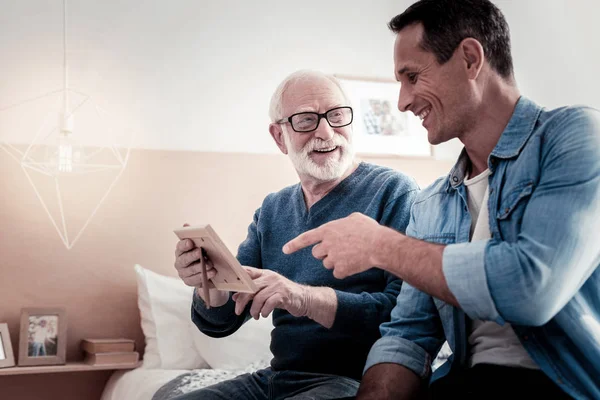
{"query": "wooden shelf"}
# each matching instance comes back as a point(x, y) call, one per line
point(68, 367)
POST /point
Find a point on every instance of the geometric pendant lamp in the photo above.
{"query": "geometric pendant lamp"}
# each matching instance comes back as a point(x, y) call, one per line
point(69, 164)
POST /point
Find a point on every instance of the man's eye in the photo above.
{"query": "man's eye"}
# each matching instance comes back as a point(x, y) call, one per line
point(412, 78)
point(307, 119)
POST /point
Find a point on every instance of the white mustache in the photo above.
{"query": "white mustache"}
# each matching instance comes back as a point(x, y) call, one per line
point(318, 144)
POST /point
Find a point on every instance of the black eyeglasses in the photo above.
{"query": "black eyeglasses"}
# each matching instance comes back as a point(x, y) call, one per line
point(309, 121)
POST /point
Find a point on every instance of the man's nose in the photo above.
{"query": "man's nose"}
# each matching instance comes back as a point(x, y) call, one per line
point(324, 131)
point(405, 98)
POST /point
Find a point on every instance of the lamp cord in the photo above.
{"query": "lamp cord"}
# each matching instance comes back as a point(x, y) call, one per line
point(65, 66)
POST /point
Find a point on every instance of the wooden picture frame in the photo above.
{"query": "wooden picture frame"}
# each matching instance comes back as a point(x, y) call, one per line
point(43, 336)
point(231, 276)
point(7, 358)
point(379, 128)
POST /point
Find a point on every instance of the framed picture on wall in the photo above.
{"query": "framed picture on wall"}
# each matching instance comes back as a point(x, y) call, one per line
point(7, 358)
point(43, 336)
point(380, 129)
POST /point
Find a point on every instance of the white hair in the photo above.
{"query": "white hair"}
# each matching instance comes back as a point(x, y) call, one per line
point(276, 106)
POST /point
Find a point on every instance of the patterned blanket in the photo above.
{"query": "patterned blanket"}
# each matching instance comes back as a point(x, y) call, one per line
point(200, 378)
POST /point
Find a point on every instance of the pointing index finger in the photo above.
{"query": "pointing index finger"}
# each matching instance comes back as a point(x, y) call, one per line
point(303, 240)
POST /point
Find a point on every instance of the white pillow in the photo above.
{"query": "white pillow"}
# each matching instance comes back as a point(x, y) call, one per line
point(249, 344)
point(165, 309)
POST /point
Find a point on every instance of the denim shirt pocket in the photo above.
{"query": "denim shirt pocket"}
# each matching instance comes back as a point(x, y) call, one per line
point(512, 199)
point(511, 208)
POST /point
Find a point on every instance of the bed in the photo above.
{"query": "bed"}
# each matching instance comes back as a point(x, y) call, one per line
point(178, 358)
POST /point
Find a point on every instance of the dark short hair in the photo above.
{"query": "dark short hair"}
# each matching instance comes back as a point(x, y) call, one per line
point(446, 23)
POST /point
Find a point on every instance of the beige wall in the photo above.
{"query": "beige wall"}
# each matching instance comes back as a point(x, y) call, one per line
point(95, 280)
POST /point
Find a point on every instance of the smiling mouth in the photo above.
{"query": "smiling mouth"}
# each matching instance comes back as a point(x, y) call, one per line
point(326, 150)
point(423, 114)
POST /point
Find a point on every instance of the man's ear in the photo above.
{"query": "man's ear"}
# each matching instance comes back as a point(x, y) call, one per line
point(276, 132)
point(472, 54)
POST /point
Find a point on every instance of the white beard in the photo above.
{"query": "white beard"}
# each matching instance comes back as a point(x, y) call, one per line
point(333, 168)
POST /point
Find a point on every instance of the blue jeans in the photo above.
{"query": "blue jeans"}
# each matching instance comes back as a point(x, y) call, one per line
point(266, 384)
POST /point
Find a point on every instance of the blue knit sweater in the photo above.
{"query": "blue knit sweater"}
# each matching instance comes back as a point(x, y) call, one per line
point(364, 300)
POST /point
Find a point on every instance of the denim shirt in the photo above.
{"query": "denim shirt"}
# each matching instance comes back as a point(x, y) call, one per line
point(540, 269)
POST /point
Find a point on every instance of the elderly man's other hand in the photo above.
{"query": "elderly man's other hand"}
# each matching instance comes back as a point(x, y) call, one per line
point(187, 264)
point(189, 268)
point(274, 291)
point(345, 245)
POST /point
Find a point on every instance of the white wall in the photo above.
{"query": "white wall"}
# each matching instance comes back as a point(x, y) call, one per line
point(198, 75)
point(556, 49)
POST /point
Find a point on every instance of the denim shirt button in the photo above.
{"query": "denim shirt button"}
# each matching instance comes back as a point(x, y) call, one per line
point(454, 179)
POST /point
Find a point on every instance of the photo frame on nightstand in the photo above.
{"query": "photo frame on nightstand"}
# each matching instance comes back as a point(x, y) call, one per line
point(7, 358)
point(43, 336)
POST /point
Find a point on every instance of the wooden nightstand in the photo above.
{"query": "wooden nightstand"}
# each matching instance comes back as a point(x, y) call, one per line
point(75, 380)
point(68, 367)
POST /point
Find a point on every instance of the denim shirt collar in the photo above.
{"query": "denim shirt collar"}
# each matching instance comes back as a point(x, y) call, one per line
point(520, 127)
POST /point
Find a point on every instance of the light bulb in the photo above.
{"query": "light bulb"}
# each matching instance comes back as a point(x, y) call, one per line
point(67, 154)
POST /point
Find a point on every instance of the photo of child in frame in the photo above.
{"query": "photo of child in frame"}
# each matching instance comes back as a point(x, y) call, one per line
point(42, 335)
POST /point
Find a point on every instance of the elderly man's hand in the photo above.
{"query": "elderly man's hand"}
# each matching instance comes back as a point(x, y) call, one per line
point(187, 264)
point(345, 245)
point(274, 291)
point(189, 268)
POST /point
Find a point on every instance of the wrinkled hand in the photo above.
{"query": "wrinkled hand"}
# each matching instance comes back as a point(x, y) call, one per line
point(274, 291)
point(345, 245)
point(187, 264)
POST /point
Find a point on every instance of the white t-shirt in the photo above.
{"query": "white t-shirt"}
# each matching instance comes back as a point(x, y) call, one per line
point(489, 342)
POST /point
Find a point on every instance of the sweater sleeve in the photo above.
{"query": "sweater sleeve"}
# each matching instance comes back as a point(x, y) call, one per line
point(221, 321)
point(364, 312)
point(358, 312)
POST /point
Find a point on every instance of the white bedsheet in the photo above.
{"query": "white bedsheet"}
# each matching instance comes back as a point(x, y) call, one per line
point(138, 384)
point(142, 383)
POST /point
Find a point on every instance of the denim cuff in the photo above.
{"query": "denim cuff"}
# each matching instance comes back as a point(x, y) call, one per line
point(396, 350)
point(464, 269)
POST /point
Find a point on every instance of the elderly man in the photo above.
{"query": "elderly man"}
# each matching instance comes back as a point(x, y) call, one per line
point(503, 256)
point(324, 327)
